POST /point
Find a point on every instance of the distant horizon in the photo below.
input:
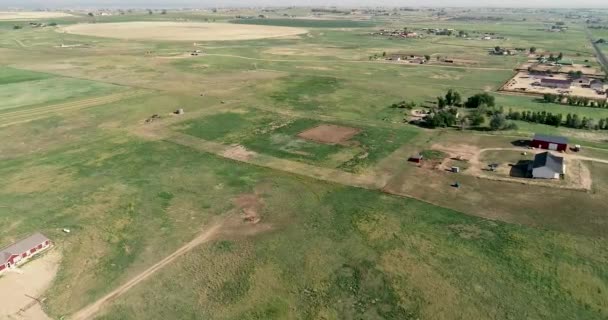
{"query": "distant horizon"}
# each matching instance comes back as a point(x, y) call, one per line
point(181, 4)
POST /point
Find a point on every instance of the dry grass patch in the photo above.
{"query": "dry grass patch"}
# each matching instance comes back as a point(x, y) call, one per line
point(39, 179)
point(181, 31)
point(31, 15)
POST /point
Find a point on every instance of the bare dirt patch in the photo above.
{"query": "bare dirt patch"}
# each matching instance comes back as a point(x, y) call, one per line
point(329, 134)
point(250, 206)
point(181, 31)
point(22, 15)
point(238, 152)
point(21, 293)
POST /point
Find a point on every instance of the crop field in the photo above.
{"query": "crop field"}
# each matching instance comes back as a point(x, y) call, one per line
point(284, 191)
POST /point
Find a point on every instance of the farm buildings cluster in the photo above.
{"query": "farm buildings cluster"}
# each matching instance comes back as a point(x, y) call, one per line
point(563, 79)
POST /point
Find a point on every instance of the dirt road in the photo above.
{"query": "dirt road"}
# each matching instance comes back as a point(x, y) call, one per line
point(92, 309)
point(357, 61)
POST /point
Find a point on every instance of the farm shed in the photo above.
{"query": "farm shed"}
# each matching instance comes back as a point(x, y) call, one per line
point(556, 83)
point(547, 166)
point(549, 142)
point(417, 158)
point(21, 251)
point(597, 85)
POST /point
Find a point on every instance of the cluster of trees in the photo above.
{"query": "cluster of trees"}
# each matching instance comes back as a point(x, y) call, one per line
point(574, 100)
point(552, 57)
point(483, 104)
point(570, 121)
point(451, 98)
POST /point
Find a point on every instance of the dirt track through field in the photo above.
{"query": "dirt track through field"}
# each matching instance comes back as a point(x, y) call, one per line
point(356, 61)
point(92, 309)
point(20, 116)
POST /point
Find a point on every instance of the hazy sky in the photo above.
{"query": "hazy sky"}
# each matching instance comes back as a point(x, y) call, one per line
point(225, 3)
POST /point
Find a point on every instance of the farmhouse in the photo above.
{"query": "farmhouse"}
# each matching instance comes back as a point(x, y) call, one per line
point(23, 250)
point(556, 83)
point(547, 166)
point(549, 142)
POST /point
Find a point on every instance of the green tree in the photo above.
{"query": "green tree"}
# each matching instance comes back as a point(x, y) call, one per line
point(480, 99)
point(441, 102)
point(532, 49)
point(498, 122)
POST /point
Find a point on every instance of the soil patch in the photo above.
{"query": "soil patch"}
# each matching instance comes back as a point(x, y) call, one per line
point(238, 152)
point(250, 206)
point(19, 291)
point(181, 31)
point(329, 134)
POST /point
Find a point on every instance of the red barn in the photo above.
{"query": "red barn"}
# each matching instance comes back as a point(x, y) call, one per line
point(19, 252)
point(555, 143)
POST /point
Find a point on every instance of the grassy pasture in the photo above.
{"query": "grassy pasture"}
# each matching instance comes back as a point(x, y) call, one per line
point(11, 75)
point(49, 90)
point(331, 251)
point(369, 256)
point(276, 135)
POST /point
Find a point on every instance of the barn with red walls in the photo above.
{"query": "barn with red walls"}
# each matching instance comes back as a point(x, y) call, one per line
point(555, 143)
point(20, 251)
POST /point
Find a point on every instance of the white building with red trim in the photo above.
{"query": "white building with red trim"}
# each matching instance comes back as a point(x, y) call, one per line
point(21, 251)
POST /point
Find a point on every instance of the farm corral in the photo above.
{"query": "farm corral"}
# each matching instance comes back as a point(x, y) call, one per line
point(559, 84)
point(181, 31)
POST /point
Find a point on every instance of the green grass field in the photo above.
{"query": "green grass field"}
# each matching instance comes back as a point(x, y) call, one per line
point(307, 23)
point(406, 246)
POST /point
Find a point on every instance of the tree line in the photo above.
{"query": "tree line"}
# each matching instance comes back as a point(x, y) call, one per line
point(573, 121)
point(575, 100)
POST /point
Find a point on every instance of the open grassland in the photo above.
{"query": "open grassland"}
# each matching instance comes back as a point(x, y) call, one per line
point(51, 90)
point(346, 253)
point(79, 156)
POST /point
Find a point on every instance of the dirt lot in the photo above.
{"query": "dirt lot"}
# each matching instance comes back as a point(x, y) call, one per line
point(330, 134)
point(22, 15)
point(523, 82)
point(18, 290)
point(178, 31)
point(578, 176)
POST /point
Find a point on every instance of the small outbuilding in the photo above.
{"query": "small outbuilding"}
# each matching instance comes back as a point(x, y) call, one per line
point(417, 158)
point(21, 251)
point(555, 143)
point(547, 166)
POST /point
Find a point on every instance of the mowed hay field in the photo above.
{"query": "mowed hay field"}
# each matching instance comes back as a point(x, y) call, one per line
point(78, 154)
point(31, 15)
point(181, 31)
